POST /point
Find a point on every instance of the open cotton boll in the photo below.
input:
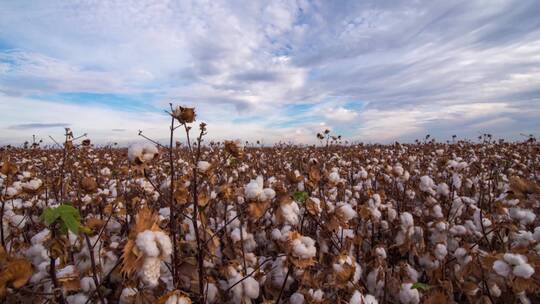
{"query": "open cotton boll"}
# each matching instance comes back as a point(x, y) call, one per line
point(142, 152)
point(523, 270)
point(524, 216)
point(33, 184)
point(443, 189)
point(427, 184)
point(202, 166)
point(150, 271)
point(297, 298)
point(290, 213)
point(334, 177)
point(345, 211)
point(501, 268)
point(304, 247)
point(406, 219)
point(440, 252)
point(407, 295)
point(514, 259)
point(78, 298)
point(357, 298)
point(146, 242)
point(369, 299)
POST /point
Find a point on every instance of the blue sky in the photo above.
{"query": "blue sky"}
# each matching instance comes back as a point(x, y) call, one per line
point(373, 71)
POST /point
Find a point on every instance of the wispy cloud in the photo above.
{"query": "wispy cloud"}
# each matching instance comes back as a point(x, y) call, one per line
point(30, 126)
point(365, 68)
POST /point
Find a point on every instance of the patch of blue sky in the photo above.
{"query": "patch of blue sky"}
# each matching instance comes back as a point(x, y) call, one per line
point(132, 103)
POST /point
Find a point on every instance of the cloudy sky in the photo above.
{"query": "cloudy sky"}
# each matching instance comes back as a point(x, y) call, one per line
point(373, 71)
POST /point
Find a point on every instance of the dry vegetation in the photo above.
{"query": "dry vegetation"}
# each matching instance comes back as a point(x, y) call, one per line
point(404, 223)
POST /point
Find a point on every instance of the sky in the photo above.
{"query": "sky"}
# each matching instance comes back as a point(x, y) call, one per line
point(274, 71)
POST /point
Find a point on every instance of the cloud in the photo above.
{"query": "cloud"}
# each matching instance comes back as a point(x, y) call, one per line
point(236, 62)
point(38, 126)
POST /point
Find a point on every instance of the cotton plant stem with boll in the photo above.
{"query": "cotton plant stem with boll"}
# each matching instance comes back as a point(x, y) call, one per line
point(172, 206)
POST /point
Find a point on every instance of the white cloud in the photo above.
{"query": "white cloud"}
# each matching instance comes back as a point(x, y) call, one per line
point(411, 63)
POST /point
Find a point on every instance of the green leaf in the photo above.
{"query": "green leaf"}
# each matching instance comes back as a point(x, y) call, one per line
point(421, 286)
point(49, 215)
point(300, 196)
point(70, 216)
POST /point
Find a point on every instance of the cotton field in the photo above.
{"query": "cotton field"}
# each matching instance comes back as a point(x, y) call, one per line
point(193, 221)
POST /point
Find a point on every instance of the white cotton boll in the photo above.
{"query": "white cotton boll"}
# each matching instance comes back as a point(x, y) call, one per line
point(150, 271)
point(406, 219)
point(536, 234)
point(501, 268)
point(439, 152)
point(495, 290)
point(212, 292)
point(334, 177)
point(144, 152)
point(437, 211)
point(65, 272)
point(147, 244)
point(33, 184)
point(254, 190)
point(426, 184)
point(11, 191)
point(525, 216)
point(380, 252)
point(304, 247)
point(105, 171)
point(440, 252)
point(290, 213)
point(78, 298)
point(443, 189)
point(251, 288)
point(456, 181)
point(357, 298)
point(346, 211)
point(202, 166)
point(398, 170)
point(316, 295)
point(369, 299)
point(87, 284)
point(164, 243)
point(127, 295)
point(523, 270)
point(407, 295)
point(458, 230)
point(514, 259)
point(297, 298)
point(268, 194)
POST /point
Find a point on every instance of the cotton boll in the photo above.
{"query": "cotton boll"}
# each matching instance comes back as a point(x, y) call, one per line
point(514, 259)
point(150, 271)
point(357, 298)
point(87, 284)
point(407, 295)
point(427, 184)
point(202, 166)
point(146, 242)
point(443, 190)
point(78, 298)
point(142, 152)
point(406, 219)
point(440, 252)
point(251, 288)
point(369, 299)
point(304, 247)
point(333, 177)
point(290, 213)
point(501, 268)
point(345, 211)
point(297, 298)
point(523, 270)
point(212, 292)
